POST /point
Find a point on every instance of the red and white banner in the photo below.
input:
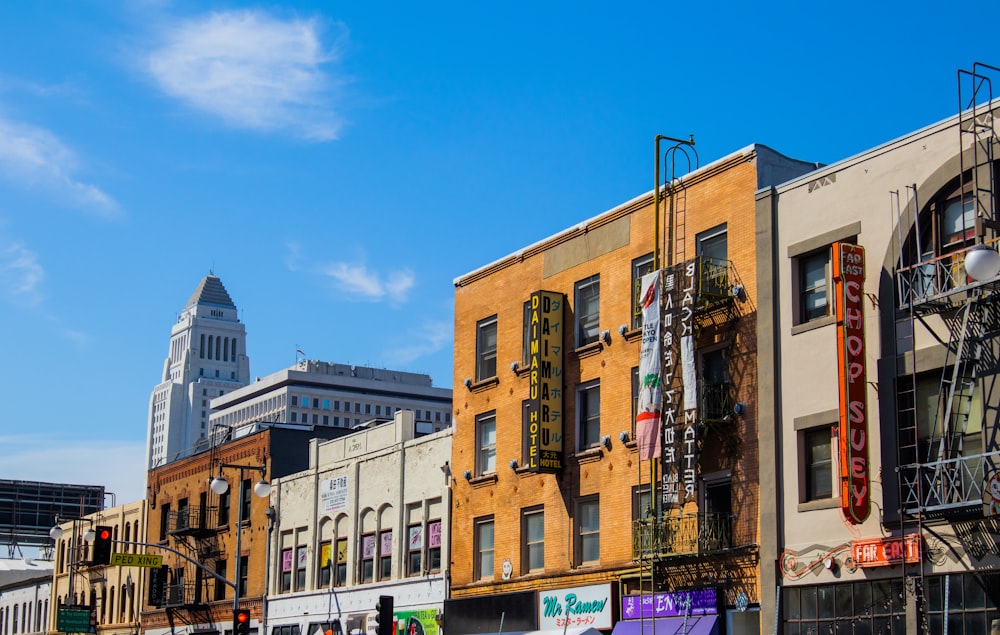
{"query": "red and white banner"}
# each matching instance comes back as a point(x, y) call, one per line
point(647, 418)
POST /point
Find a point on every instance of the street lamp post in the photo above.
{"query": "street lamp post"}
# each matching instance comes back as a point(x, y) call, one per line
point(88, 536)
point(261, 489)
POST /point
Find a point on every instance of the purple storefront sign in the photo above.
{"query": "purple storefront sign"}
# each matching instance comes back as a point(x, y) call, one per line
point(676, 604)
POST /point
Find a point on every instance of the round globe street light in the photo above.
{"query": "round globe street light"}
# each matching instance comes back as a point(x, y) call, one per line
point(262, 489)
point(982, 263)
point(89, 535)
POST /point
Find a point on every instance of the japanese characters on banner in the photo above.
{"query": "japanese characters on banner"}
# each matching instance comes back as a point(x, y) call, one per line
point(333, 495)
point(849, 280)
point(680, 395)
point(543, 432)
point(647, 419)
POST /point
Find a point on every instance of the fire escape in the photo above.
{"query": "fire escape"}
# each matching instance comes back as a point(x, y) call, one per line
point(192, 529)
point(946, 456)
point(687, 546)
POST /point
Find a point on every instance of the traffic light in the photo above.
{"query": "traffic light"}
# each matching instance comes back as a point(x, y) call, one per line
point(102, 545)
point(384, 617)
point(241, 622)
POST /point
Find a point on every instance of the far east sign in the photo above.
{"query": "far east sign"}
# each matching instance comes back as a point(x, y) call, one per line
point(849, 280)
point(543, 423)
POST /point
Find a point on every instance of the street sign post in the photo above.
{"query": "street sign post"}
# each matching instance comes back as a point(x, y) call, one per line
point(136, 560)
point(74, 620)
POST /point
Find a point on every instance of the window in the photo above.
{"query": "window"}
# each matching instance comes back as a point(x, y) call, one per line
point(588, 401)
point(486, 348)
point(385, 555)
point(713, 244)
point(245, 492)
point(224, 509)
point(588, 531)
point(414, 549)
point(640, 267)
point(814, 292)
point(818, 455)
point(244, 572)
point(367, 558)
point(325, 572)
point(588, 314)
point(286, 570)
point(434, 546)
point(486, 442)
point(484, 548)
point(532, 539)
point(715, 402)
point(300, 569)
point(164, 520)
point(642, 503)
point(220, 586)
point(340, 572)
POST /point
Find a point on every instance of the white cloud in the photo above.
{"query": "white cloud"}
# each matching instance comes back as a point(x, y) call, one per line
point(20, 274)
point(252, 70)
point(34, 156)
point(430, 338)
point(60, 460)
point(369, 285)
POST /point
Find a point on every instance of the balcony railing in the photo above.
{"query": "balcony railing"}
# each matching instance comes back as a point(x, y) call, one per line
point(934, 281)
point(191, 520)
point(685, 534)
point(946, 487)
point(715, 402)
point(713, 280)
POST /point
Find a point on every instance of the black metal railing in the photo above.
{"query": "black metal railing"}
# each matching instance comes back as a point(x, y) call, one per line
point(684, 534)
point(191, 520)
point(715, 402)
point(950, 486)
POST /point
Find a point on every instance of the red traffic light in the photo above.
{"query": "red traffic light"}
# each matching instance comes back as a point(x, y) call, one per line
point(104, 533)
point(242, 616)
point(241, 622)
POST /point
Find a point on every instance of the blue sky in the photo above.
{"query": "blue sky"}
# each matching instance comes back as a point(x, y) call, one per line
point(339, 164)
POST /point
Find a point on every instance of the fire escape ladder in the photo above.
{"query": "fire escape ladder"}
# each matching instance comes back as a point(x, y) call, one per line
point(958, 380)
point(977, 131)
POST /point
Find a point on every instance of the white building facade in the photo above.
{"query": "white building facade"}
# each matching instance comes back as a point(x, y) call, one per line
point(338, 395)
point(369, 518)
point(24, 596)
point(207, 358)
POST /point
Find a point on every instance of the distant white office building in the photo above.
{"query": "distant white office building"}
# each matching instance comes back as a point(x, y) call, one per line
point(337, 395)
point(207, 358)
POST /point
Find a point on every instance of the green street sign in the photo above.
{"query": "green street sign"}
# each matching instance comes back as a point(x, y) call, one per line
point(74, 620)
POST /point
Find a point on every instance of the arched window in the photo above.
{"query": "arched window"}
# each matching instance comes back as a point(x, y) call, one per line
point(111, 605)
point(14, 627)
point(104, 605)
point(233, 345)
point(128, 536)
point(225, 351)
point(201, 349)
point(218, 345)
point(210, 340)
point(122, 604)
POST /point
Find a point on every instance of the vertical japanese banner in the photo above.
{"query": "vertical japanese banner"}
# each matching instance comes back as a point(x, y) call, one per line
point(671, 391)
point(687, 439)
point(544, 426)
point(849, 280)
point(648, 429)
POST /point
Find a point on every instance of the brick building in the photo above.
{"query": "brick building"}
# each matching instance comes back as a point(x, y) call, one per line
point(188, 517)
point(551, 502)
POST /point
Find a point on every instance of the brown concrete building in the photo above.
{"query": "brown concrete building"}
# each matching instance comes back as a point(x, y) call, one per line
point(551, 502)
point(199, 528)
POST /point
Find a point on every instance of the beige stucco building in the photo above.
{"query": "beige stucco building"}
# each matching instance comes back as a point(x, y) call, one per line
point(368, 518)
point(879, 425)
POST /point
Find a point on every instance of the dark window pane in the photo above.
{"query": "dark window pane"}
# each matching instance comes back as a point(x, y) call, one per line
point(932, 592)
point(791, 604)
point(825, 601)
point(863, 598)
point(845, 604)
point(809, 603)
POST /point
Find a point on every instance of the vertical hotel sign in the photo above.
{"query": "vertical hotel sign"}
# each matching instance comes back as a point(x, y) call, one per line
point(543, 427)
point(849, 280)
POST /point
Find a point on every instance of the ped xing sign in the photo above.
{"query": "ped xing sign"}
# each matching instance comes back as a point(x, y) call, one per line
point(136, 560)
